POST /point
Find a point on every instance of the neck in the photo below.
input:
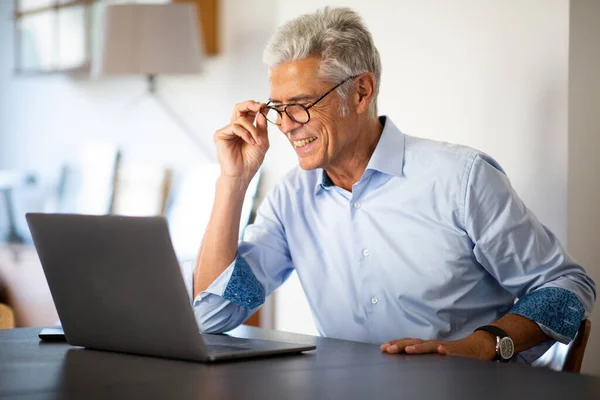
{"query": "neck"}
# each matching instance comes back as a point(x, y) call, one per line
point(347, 171)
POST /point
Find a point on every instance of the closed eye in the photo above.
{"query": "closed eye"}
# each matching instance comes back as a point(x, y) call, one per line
point(280, 107)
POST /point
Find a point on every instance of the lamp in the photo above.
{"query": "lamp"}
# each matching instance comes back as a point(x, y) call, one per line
point(151, 40)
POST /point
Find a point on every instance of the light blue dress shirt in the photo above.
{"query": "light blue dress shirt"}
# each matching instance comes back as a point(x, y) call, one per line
point(431, 243)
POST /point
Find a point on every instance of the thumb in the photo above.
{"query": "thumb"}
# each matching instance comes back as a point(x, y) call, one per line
point(261, 123)
point(261, 127)
point(442, 350)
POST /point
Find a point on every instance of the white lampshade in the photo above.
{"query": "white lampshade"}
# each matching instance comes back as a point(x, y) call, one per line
point(149, 39)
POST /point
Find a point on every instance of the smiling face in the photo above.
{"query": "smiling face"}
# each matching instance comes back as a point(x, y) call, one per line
point(328, 137)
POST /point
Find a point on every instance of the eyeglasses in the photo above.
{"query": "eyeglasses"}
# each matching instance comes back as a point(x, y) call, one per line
point(296, 112)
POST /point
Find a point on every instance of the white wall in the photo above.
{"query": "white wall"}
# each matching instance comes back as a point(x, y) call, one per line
point(584, 163)
point(45, 119)
point(489, 74)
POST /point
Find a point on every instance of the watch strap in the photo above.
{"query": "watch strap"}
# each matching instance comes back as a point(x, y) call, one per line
point(499, 334)
point(494, 330)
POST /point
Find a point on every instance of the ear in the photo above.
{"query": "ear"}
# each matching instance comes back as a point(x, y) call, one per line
point(365, 92)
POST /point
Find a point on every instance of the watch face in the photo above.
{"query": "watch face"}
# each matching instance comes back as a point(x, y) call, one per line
point(506, 348)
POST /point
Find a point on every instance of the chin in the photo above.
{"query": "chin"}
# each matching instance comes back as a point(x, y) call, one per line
point(308, 164)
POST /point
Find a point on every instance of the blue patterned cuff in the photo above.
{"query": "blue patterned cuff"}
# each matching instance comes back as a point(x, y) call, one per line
point(243, 288)
point(556, 309)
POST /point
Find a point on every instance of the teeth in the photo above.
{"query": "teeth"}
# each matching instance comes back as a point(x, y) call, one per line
point(302, 143)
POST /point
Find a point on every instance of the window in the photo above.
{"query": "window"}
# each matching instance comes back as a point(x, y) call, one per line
point(52, 35)
point(60, 35)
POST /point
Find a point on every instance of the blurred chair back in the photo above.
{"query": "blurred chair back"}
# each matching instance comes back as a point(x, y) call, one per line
point(141, 190)
point(577, 347)
point(567, 357)
point(86, 183)
point(7, 319)
point(17, 190)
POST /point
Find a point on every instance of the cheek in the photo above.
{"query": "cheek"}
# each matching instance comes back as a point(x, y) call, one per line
point(323, 122)
point(321, 129)
point(326, 118)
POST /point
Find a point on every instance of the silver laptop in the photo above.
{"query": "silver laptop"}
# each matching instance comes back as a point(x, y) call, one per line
point(117, 286)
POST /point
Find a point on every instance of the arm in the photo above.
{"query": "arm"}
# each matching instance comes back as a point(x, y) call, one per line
point(261, 265)
point(241, 148)
point(524, 256)
point(527, 259)
point(231, 280)
point(524, 332)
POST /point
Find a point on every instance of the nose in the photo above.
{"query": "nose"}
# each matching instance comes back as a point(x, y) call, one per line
point(288, 124)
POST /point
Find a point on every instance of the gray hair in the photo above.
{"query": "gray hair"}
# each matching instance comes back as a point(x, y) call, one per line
point(342, 41)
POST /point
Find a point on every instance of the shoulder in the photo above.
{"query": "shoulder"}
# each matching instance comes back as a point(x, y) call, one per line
point(426, 151)
point(444, 159)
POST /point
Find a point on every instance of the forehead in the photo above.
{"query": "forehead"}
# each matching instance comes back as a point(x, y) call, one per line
point(294, 78)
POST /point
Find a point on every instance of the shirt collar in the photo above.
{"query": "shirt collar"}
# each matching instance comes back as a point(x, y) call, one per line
point(387, 158)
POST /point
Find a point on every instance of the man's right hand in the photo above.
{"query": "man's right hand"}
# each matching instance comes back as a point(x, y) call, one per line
point(241, 145)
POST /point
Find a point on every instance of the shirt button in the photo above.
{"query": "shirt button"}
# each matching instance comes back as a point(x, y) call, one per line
point(366, 252)
point(357, 205)
point(374, 300)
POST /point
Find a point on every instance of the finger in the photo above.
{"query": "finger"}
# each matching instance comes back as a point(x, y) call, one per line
point(422, 348)
point(398, 346)
point(246, 108)
point(442, 350)
point(396, 341)
point(261, 123)
point(249, 127)
point(241, 109)
point(261, 120)
point(233, 132)
point(261, 127)
point(242, 132)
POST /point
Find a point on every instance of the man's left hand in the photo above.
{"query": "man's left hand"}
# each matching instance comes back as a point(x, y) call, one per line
point(480, 345)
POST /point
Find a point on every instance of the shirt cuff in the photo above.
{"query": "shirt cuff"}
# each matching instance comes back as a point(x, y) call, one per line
point(238, 285)
point(557, 311)
point(218, 286)
point(243, 288)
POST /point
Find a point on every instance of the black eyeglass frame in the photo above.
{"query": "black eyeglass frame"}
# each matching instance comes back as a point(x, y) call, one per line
point(306, 108)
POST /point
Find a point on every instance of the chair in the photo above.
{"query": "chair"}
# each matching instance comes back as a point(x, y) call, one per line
point(567, 357)
point(87, 181)
point(141, 190)
point(576, 349)
point(7, 318)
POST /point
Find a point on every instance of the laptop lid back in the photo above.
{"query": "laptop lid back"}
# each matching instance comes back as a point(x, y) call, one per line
point(116, 284)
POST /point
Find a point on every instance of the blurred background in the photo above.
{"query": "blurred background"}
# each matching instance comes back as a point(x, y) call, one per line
point(112, 110)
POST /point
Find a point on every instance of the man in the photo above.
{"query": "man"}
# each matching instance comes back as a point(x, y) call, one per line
point(396, 240)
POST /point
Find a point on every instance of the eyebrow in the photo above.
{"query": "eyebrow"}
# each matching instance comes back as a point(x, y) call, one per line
point(295, 99)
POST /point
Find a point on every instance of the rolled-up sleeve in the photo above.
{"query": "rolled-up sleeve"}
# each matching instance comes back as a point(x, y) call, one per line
point(523, 255)
point(262, 264)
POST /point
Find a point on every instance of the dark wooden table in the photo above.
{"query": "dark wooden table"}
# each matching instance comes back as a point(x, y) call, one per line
point(336, 370)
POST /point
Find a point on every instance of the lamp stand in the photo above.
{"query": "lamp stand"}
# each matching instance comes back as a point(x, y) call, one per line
point(170, 112)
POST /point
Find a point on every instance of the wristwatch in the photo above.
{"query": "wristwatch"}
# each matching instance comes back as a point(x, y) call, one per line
point(505, 348)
